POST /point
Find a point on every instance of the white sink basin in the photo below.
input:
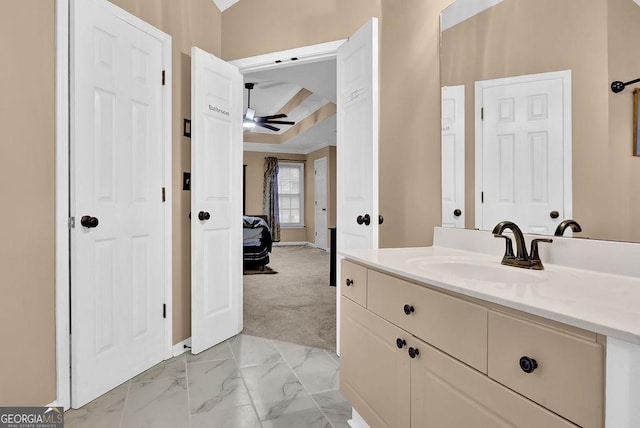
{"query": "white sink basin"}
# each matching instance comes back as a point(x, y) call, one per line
point(463, 268)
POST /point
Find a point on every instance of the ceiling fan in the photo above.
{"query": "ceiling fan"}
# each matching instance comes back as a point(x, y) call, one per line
point(250, 119)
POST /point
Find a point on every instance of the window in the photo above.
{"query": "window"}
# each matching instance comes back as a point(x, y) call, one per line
point(291, 194)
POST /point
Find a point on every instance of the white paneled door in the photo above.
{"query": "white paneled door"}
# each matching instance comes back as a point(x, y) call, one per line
point(320, 201)
point(216, 200)
point(525, 154)
point(452, 140)
point(357, 144)
point(117, 245)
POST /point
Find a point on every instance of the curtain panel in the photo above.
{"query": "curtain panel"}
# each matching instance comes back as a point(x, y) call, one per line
point(270, 197)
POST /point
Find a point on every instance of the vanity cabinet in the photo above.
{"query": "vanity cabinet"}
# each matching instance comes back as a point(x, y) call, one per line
point(452, 362)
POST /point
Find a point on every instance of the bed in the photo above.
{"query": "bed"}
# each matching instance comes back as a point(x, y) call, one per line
point(256, 241)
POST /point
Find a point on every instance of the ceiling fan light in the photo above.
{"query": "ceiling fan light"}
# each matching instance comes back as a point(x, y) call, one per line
point(250, 114)
point(248, 124)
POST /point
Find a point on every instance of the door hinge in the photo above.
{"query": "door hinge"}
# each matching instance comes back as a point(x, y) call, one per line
point(163, 77)
point(164, 310)
point(164, 195)
point(482, 197)
point(481, 112)
point(72, 222)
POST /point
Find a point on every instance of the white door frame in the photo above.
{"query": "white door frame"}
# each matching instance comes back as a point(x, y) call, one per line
point(565, 75)
point(62, 197)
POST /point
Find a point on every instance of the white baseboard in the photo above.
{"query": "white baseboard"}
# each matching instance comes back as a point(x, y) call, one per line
point(179, 348)
point(298, 244)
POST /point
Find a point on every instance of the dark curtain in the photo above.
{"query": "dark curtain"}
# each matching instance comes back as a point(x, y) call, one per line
point(270, 197)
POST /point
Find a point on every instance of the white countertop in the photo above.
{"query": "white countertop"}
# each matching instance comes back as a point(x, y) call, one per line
point(604, 303)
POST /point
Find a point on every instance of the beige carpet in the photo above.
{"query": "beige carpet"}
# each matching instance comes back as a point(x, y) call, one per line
point(295, 305)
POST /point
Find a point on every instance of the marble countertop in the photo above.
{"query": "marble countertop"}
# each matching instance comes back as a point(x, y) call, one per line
point(604, 303)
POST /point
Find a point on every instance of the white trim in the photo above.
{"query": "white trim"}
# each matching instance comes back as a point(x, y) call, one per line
point(181, 347)
point(304, 54)
point(63, 373)
point(62, 193)
point(461, 10)
point(224, 4)
point(565, 75)
point(291, 244)
point(278, 148)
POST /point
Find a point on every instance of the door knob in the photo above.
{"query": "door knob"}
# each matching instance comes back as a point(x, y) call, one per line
point(203, 215)
point(365, 219)
point(89, 222)
point(457, 212)
point(380, 219)
point(554, 214)
point(359, 219)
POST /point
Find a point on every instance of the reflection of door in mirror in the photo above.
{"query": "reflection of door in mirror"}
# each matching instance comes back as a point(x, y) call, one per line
point(452, 141)
point(523, 151)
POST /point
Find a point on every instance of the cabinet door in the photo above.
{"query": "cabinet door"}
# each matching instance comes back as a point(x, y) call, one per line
point(448, 394)
point(374, 372)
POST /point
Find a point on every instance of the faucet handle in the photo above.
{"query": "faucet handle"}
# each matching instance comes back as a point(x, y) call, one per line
point(508, 249)
point(534, 247)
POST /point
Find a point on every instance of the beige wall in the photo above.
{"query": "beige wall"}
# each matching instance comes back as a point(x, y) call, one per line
point(409, 164)
point(27, 287)
point(190, 23)
point(255, 181)
point(253, 27)
point(560, 35)
point(624, 64)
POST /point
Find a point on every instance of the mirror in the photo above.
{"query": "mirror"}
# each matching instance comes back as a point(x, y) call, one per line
point(596, 42)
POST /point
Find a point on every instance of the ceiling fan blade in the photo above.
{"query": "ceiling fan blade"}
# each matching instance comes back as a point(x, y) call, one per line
point(280, 122)
point(273, 116)
point(264, 125)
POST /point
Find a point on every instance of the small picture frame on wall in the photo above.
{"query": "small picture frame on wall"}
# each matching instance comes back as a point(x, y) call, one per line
point(636, 123)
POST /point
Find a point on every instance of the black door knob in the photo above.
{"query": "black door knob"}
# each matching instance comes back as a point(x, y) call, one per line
point(203, 215)
point(408, 309)
point(367, 219)
point(413, 352)
point(349, 282)
point(528, 365)
point(380, 219)
point(89, 222)
point(457, 212)
point(400, 343)
point(554, 214)
point(359, 219)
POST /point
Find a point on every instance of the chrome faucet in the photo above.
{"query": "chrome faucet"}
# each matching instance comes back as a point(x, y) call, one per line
point(572, 224)
point(521, 259)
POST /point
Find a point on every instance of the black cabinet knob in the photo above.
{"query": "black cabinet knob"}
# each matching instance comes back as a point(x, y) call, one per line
point(413, 352)
point(89, 222)
point(408, 309)
point(554, 214)
point(528, 365)
point(203, 215)
point(457, 212)
point(349, 282)
point(400, 343)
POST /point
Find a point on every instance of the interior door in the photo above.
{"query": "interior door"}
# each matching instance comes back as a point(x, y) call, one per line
point(453, 209)
point(320, 202)
point(523, 154)
point(357, 144)
point(216, 200)
point(117, 288)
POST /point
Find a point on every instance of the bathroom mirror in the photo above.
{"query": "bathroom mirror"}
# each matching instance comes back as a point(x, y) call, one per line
point(489, 44)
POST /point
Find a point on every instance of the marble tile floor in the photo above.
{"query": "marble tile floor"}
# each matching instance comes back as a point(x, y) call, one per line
point(244, 382)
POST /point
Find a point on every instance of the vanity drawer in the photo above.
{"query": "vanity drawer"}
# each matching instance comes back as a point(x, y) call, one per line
point(353, 282)
point(569, 377)
point(455, 326)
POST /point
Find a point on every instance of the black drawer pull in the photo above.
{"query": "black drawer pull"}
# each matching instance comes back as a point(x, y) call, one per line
point(408, 309)
point(413, 352)
point(400, 343)
point(528, 365)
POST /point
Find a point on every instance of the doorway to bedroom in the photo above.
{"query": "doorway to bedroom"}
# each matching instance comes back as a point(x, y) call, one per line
point(287, 292)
